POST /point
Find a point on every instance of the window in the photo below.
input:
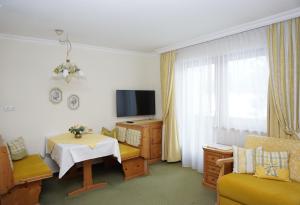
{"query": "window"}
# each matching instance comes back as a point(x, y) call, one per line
point(246, 86)
point(221, 92)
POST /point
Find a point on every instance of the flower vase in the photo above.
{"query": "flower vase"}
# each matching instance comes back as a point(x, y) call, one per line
point(78, 135)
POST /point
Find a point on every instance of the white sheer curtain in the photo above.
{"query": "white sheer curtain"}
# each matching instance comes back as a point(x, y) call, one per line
point(221, 92)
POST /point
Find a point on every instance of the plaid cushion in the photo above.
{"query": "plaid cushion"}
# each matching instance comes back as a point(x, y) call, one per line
point(133, 137)
point(272, 165)
point(121, 134)
point(17, 148)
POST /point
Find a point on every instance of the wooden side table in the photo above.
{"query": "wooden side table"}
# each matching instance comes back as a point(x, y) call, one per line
point(211, 170)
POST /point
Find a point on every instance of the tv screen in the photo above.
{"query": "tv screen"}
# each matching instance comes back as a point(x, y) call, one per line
point(135, 102)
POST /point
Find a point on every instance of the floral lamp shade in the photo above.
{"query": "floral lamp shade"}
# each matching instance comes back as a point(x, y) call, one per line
point(67, 70)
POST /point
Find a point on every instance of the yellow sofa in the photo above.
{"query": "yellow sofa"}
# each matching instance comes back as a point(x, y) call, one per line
point(245, 189)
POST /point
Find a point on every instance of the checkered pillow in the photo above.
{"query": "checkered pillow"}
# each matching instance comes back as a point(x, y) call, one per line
point(272, 165)
point(17, 148)
point(121, 133)
point(133, 137)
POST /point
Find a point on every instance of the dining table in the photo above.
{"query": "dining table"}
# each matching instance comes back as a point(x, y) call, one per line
point(66, 151)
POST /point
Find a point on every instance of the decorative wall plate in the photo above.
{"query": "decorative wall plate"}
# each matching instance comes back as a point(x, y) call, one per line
point(55, 95)
point(73, 102)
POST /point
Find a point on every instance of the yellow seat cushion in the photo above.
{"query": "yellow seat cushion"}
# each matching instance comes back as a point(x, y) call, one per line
point(250, 190)
point(30, 168)
point(128, 152)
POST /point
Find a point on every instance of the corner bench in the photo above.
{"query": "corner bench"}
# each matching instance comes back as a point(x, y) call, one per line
point(20, 184)
point(133, 158)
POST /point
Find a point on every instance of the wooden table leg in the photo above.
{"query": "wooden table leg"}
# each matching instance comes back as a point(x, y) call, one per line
point(87, 180)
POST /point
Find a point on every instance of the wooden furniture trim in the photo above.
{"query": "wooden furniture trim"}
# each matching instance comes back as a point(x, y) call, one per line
point(33, 179)
point(6, 174)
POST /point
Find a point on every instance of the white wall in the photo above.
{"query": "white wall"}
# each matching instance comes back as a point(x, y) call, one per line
point(25, 82)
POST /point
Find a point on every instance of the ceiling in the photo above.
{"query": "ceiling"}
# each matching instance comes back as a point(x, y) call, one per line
point(139, 25)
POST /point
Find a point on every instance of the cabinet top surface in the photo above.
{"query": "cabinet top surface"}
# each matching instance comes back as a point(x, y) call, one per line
point(141, 122)
point(213, 149)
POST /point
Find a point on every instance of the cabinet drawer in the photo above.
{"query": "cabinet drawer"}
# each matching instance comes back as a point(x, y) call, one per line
point(212, 157)
point(213, 169)
point(212, 179)
point(156, 136)
point(133, 166)
point(155, 151)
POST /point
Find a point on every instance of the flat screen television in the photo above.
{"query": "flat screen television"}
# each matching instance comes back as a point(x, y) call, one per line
point(135, 102)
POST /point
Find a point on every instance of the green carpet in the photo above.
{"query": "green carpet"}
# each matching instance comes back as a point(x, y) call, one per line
point(167, 184)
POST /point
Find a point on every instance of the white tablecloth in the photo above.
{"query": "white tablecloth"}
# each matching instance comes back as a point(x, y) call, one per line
point(66, 155)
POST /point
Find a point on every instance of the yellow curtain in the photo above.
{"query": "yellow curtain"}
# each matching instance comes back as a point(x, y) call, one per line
point(284, 86)
point(171, 149)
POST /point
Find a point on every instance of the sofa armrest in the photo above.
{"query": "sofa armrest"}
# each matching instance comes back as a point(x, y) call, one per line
point(222, 163)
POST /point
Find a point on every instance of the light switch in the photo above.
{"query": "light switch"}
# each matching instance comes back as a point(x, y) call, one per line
point(8, 108)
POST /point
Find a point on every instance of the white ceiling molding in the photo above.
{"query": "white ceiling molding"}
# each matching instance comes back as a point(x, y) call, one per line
point(233, 30)
point(74, 45)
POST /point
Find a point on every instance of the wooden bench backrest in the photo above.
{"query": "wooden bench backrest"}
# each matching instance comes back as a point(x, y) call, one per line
point(6, 173)
point(144, 146)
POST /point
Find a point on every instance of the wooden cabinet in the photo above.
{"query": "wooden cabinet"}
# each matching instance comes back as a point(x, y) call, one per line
point(211, 170)
point(151, 131)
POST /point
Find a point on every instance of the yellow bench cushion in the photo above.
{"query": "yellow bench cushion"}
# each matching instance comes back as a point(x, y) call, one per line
point(30, 168)
point(128, 152)
point(250, 190)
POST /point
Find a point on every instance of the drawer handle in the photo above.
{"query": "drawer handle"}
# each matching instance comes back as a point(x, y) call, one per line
point(212, 179)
